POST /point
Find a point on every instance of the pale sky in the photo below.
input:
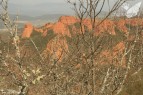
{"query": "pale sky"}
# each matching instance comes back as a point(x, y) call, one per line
point(41, 7)
point(34, 2)
point(43, 1)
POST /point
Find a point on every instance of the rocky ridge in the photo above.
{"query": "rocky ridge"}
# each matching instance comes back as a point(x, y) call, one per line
point(68, 24)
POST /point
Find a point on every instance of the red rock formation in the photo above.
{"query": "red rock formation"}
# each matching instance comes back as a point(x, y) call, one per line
point(106, 26)
point(121, 25)
point(115, 53)
point(87, 23)
point(44, 29)
point(60, 28)
point(68, 20)
point(27, 30)
point(118, 48)
point(38, 30)
point(78, 30)
point(47, 27)
point(135, 22)
point(56, 48)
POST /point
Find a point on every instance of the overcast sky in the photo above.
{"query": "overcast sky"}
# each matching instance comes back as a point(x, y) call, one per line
point(41, 7)
point(32, 2)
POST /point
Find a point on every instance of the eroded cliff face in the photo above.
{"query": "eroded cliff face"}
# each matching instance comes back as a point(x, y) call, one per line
point(61, 29)
point(106, 26)
point(69, 24)
point(121, 25)
point(68, 20)
point(135, 22)
point(62, 26)
point(114, 53)
point(28, 29)
point(56, 48)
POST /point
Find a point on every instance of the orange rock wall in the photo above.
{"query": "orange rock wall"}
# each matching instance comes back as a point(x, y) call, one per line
point(28, 28)
point(61, 28)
